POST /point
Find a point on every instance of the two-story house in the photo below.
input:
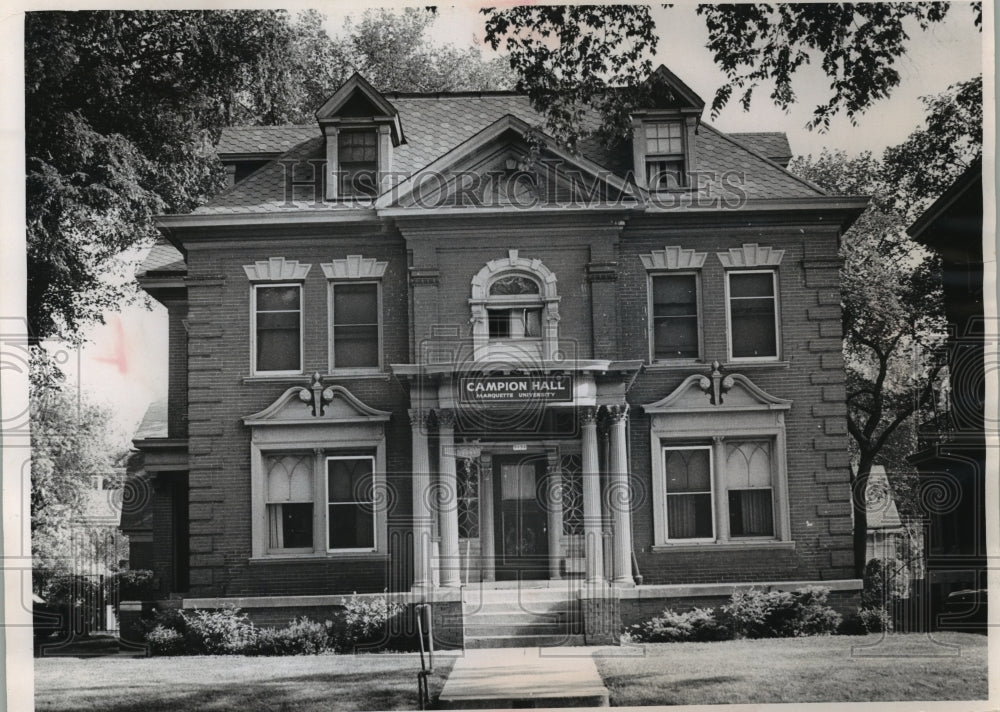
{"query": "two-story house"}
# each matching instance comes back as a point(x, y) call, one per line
point(419, 347)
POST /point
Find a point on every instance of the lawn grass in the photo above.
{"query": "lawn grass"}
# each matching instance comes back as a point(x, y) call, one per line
point(817, 669)
point(303, 683)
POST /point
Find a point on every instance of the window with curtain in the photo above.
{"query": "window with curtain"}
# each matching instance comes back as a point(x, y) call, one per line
point(753, 310)
point(674, 316)
point(350, 502)
point(277, 328)
point(689, 492)
point(515, 308)
point(664, 155)
point(289, 502)
point(355, 324)
point(749, 488)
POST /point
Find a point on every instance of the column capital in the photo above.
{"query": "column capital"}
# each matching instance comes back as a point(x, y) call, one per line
point(419, 417)
point(445, 418)
point(617, 413)
point(718, 440)
point(588, 415)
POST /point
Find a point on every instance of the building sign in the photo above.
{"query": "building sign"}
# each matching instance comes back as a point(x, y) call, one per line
point(516, 389)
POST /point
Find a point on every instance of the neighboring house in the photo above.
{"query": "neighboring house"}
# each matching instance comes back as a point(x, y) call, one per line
point(886, 531)
point(418, 347)
point(952, 455)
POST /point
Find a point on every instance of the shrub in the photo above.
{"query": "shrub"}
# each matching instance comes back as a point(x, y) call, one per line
point(227, 630)
point(165, 641)
point(300, 637)
point(874, 620)
point(814, 616)
point(698, 624)
point(753, 613)
point(135, 585)
point(365, 621)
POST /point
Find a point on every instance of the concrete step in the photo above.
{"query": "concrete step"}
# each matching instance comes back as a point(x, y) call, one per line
point(505, 618)
point(536, 607)
point(534, 628)
point(523, 641)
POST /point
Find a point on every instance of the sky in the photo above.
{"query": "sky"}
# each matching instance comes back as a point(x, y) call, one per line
point(124, 364)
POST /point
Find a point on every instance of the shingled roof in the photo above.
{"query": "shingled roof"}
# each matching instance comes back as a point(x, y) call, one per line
point(437, 123)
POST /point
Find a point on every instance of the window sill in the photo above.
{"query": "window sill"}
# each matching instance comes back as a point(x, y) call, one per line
point(680, 364)
point(753, 363)
point(334, 376)
point(727, 546)
point(315, 557)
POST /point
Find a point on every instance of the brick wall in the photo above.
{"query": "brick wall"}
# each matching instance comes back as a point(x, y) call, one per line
point(810, 374)
point(220, 396)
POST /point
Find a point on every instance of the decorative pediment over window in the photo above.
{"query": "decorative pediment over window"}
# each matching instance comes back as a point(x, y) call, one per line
point(354, 267)
point(673, 257)
point(751, 255)
point(317, 405)
point(277, 269)
point(717, 392)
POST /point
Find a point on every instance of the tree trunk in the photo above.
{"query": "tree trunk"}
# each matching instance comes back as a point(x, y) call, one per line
point(859, 502)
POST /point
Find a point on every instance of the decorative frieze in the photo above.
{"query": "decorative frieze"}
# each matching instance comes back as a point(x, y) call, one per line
point(354, 267)
point(750, 255)
point(277, 269)
point(673, 257)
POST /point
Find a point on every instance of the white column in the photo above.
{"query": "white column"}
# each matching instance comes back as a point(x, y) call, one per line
point(486, 544)
point(448, 500)
point(553, 507)
point(421, 489)
point(620, 497)
point(592, 529)
point(718, 476)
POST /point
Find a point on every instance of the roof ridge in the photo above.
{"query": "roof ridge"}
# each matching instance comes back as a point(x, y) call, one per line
point(727, 137)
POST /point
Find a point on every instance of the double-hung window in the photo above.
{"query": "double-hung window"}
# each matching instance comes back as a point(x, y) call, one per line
point(753, 314)
point(358, 158)
point(664, 155)
point(277, 333)
point(690, 510)
point(707, 500)
point(355, 329)
point(350, 496)
point(674, 314)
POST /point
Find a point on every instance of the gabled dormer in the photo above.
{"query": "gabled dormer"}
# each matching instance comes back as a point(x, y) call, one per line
point(361, 127)
point(663, 144)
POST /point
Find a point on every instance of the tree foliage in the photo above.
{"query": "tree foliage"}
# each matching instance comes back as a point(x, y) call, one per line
point(70, 447)
point(568, 58)
point(124, 109)
point(573, 58)
point(894, 324)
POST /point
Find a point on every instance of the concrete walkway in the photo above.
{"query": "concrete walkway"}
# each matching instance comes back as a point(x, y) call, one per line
point(505, 678)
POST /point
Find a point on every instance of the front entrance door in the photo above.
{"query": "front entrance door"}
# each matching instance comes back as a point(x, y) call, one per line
point(520, 520)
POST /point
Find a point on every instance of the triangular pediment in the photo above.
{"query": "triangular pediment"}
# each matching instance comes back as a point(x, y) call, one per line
point(668, 92)
point(357, 102)
point(715, 393)
point(316, 405)
point(509, 163)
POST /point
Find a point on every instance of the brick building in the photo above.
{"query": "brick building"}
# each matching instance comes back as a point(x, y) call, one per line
point(419, 347)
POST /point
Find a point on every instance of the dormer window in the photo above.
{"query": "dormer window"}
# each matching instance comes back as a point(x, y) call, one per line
point(360, 128)
point(357, 152)
point(664, 152)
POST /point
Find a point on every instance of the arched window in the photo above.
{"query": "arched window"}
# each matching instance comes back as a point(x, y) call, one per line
point(515, 307)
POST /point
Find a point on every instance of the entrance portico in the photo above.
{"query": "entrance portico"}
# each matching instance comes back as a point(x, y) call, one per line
point(511, 480)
